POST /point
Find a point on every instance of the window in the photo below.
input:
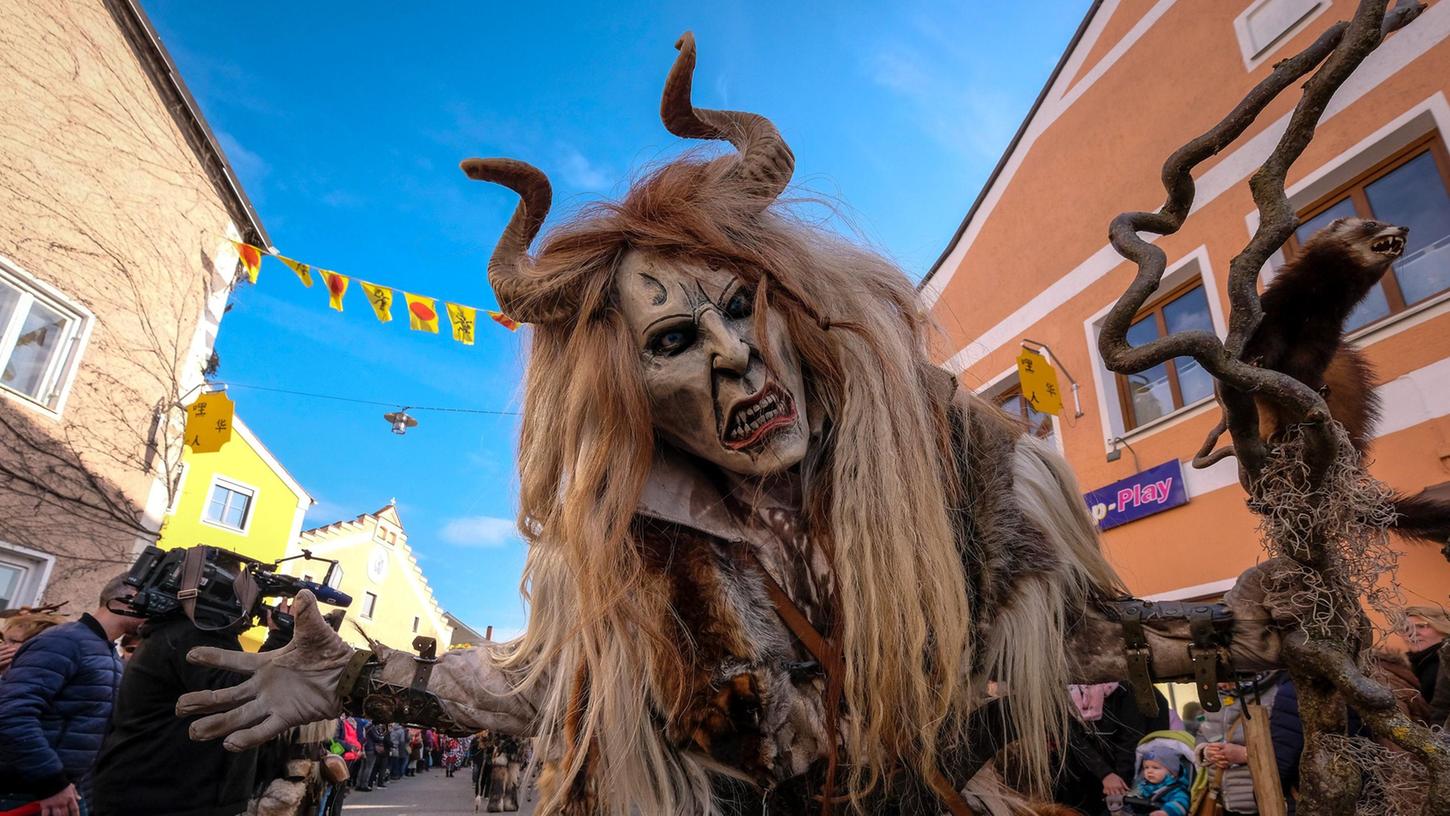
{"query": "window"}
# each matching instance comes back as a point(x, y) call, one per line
point(370, 605)
point(23, 576)
point(1011, 401)
point(230, 505)
point(415, 624)
point(37, 339)
point(392, 537)
point(1267, 24)
point(334, 576)
point(1411, 189)
point(1180, 382)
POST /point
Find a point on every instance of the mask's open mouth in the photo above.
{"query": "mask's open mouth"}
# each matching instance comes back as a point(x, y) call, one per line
point(753, 419)
point(1390, 242)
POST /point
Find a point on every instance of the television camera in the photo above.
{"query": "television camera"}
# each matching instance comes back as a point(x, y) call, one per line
point(218, 589)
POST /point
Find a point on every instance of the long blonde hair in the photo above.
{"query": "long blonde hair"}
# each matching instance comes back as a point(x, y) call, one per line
point(878, 490)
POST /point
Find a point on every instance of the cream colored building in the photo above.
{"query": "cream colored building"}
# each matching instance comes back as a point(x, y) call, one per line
point(391, 600)
point(116, 206)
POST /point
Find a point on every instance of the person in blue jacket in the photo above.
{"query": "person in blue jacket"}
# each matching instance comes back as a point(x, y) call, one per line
point(55, 704)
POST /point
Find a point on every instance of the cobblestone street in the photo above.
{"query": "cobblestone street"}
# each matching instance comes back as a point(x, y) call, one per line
point(427, 794)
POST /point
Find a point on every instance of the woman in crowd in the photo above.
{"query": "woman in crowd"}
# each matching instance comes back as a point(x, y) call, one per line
point(1221, 744)
point(22, 625)
point(1101, 749)
point(1425, 629)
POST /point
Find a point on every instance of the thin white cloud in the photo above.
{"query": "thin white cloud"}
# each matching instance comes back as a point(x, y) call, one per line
point(249, 166)
point(579, 172)
point(956, 105)
point(480, 531)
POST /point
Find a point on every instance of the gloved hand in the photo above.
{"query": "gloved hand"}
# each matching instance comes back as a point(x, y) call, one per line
point(290, 686)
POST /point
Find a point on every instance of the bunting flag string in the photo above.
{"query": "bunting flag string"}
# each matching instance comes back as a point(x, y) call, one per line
point(422, 310)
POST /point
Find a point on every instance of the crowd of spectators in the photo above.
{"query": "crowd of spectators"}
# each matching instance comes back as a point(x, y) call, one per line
point(1206, 754)
point(88, 725)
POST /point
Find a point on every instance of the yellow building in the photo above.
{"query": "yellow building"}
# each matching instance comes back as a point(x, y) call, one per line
point(391, 599)
point(239, 498)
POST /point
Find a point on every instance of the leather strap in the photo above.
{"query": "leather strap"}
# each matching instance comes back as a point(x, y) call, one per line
point(191, 567)
point(1206, 655)
point(1135, 646)
point(829, 656)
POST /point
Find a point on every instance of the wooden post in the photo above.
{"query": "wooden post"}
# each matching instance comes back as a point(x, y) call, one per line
point(1265, 770)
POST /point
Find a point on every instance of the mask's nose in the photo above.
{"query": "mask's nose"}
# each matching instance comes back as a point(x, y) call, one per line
point(728, 350)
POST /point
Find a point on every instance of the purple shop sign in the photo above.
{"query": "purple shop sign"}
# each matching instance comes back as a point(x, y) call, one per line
point(1138, 496)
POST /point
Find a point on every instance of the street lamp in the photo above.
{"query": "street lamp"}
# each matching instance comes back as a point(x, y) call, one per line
point(400, 421)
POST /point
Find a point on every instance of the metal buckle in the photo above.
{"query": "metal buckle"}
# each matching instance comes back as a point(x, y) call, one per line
point(187, 594)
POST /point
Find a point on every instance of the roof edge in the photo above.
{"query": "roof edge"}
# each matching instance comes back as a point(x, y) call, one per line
point(151, 41)
point(1012, 145)
point(270, 459)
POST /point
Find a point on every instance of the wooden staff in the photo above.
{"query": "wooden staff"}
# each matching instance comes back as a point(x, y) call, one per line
point(1262, 766)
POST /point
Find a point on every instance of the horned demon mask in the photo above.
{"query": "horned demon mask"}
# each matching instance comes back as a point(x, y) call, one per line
point(724, 383)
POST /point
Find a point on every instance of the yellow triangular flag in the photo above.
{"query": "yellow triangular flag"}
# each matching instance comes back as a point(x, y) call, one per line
point(336, 287)
point(462, 318)
point(380, 298)
point(422, 314)
point(304, 272)
point(251, 259)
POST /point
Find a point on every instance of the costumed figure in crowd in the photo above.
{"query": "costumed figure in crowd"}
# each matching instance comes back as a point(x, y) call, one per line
point(776, 556)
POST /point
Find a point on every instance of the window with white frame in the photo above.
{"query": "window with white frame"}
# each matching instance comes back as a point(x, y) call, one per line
point(1177, 383)
point(370, 605)
point(415, 624)
point(229, 505)
point(334, 577)
point(23, 576)
point(1411, 189)
point(38, 333)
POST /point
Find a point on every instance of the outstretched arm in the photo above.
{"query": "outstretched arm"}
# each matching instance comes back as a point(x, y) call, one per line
point(312, 677)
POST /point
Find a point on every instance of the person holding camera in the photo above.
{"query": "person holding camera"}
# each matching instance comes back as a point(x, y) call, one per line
point(149, 764)
point(54, 706)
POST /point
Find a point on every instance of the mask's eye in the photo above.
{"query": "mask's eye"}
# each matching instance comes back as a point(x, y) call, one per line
point(673, 340)
point(740, 304)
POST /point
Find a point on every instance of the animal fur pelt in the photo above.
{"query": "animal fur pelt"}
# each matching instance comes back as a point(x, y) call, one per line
point(1302, 335)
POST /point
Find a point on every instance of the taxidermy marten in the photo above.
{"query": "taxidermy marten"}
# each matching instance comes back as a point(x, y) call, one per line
point(1302, 335)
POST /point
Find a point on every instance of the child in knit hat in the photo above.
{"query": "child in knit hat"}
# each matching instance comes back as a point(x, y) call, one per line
point(1164, 775)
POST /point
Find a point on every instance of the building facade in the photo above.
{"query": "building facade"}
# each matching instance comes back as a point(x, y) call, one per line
point(1030, 265)
point(116, 206)
point(239, 498)
point(391, 599)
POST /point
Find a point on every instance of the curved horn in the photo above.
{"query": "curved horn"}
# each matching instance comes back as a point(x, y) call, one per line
point(766, 162)
point(508, 269)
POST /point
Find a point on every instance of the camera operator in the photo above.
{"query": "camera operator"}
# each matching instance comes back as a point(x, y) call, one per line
point(54, 705)
point(149, 764)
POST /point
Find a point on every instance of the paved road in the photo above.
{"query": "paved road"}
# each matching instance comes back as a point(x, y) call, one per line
point(427, 794)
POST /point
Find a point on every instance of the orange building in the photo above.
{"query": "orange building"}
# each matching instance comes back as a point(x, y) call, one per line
point(1031, 259)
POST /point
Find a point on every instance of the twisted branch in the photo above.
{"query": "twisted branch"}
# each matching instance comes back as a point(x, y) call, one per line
point(1319, 511)
point(1342, 48)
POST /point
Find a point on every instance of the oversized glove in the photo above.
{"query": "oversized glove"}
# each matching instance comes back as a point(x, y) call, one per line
point(290, 686)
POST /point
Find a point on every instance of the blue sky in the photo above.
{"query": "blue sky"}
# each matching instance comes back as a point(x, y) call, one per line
point(346, 123)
